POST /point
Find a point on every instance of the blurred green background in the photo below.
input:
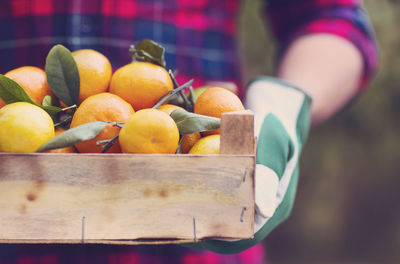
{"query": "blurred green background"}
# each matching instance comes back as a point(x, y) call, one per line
point(347, 208)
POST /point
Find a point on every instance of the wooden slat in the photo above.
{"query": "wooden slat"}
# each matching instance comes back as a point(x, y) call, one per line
point(124, 199)
point(237, 133)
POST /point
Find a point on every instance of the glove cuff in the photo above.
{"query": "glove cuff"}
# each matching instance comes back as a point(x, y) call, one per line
point(266, 95)
point(277, 81)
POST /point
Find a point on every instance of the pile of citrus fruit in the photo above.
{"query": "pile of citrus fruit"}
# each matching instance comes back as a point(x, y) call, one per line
point(78, 104)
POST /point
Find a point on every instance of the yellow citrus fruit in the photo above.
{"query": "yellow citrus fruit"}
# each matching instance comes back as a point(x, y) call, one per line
point(24, 128)
point(168, 108)
point(101, 107)
point(216, 100)
point(188, 141)
point(141, 84)
point(70, 149)
point(33, 80)
point(94, 72)
point(149, 131)
point(206, 145)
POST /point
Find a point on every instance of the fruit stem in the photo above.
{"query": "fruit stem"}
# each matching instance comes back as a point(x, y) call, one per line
point(117, 124)
point(191, 96)
point(171, 93)
point(188, 104)
point(63, 121)
point(69, 107)
point(178, 149)
point(132, 52)
point(107, 143)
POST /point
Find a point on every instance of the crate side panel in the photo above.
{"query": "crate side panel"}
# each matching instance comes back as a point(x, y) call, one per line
point(101, 197)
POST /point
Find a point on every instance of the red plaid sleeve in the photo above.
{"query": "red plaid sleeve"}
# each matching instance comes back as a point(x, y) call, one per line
point(348, 19)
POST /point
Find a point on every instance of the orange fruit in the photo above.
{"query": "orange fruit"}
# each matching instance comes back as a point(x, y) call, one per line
point(70, 149)
point(198, 91)
point(33, 80)
point(168, 108)
point(215, 101)
point(101, 107)
point(94, 72)
point(24, 127)
point(141, 84)
point(206, 145)
point(188, 141)
point(149, 131)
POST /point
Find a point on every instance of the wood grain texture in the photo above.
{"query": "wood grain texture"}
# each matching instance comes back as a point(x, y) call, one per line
point(237, 133)
point(44, 197)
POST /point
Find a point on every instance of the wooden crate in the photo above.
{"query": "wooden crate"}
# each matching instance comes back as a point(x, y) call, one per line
point(131, 199)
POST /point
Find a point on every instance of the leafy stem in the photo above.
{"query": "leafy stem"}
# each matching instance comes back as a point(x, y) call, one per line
point(69, 107)
point(148, 50)
point(108, 143)
point(119, 124)
point(171, 93)
point(133, 53)
point(188, 105)
point(63, 121)
point(191, 95)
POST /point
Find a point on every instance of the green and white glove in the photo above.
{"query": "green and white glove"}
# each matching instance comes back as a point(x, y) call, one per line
point(281, 120)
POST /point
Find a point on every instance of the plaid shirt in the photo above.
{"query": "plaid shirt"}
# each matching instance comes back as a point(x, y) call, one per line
point(199, 37)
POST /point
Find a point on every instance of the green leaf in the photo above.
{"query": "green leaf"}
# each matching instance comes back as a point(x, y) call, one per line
point(189, 123)
point(47, 101)
point(12, 92)
point(62, 75)
point(150, 51)
point(74, 135)
point(50, 109)
point(47, 105)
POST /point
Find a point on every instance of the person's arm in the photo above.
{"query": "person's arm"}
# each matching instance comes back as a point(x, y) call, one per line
point(326, 67)
point(326, 52)
point(326, 48)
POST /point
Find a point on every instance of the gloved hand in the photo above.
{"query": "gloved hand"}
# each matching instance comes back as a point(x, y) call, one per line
point(281, 120)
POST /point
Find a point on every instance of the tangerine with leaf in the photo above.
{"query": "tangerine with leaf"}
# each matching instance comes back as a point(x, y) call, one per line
point(188, 140)
point(102, 107)
point(33, 80)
